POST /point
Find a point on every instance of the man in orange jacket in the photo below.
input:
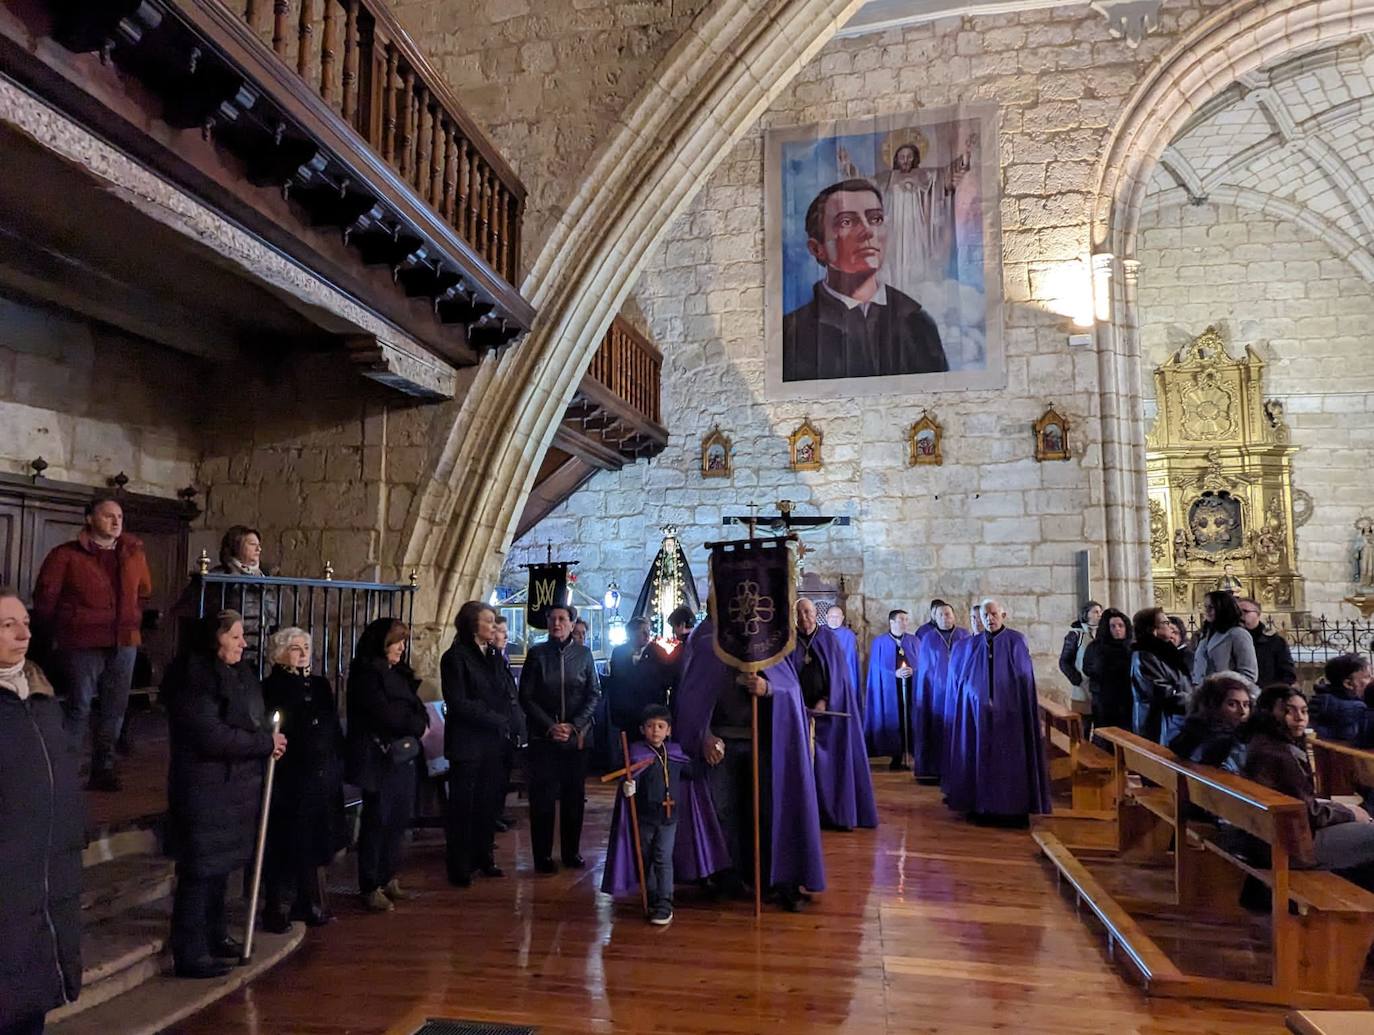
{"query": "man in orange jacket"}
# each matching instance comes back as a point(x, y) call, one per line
point(90, 595)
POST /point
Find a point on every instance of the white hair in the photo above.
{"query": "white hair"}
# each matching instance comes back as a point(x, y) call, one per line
point(281, 639)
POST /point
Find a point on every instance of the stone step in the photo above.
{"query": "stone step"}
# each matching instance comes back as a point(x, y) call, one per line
point(120, 954)
point(140, 838)
point(121, 884)
point(164, 1000)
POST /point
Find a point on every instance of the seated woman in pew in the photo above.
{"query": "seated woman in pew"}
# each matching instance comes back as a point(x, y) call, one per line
point(1211, 733)
point(1338, 708)
point(1342, 835)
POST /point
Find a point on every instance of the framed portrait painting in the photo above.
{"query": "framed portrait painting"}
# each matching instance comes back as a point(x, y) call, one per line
point(804, 447)
point(883, 255)
point(1051, 436)
point(923, 442)
point(716, 454)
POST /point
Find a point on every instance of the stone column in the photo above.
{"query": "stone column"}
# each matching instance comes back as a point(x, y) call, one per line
point(1123, 461)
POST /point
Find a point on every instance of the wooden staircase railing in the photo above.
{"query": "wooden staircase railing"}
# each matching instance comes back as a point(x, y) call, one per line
point(360, 61)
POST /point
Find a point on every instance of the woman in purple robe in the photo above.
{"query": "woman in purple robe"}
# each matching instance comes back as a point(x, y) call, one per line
point(792, 845)
point(844, 784)
point(928, 708)
point(997, 768)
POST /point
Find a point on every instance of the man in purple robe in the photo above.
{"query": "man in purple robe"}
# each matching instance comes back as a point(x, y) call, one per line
point(928, 704)
point(849, 643)
point(844, 785)
point(887, 705)
point(928, 626)
point(997, 770)
point(714, 726)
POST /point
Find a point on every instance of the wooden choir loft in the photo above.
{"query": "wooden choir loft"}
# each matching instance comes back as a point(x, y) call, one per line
point(241, 181)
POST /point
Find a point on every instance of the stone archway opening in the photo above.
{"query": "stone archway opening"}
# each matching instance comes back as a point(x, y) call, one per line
point(1232, 46)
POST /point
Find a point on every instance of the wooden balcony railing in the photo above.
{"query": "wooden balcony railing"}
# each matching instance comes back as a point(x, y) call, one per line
point(358, 59)
point(630, 366)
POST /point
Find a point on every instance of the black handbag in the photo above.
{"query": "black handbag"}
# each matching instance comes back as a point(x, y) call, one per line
point(399, 751)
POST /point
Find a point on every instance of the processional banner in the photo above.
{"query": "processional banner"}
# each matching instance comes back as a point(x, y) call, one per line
point(753, 596)
point(883, 244)
point(548, 586)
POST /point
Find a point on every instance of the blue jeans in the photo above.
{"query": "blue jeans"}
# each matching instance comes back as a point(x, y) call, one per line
point(657, 842)
point(107, 673)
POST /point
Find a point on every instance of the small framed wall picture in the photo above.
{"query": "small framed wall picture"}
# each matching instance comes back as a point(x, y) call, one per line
point(923, 442)
point(717, 460)
point(1051, 436)
point(804, 446)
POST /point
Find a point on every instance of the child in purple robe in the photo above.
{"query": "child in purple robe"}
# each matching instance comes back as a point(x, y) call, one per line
point(657, 789)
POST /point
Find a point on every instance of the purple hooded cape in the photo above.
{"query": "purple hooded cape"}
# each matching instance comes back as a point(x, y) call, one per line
point(699, 844)
point(796, 834)
point(928, 706)
point(844, 784)
point(996, 762)
point(849, 644)
point(882, 720)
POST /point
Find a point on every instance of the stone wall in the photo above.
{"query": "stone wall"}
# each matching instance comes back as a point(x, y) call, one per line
point(547, 79)
point(93, 402)
point(1280, 289)
point(992, 519)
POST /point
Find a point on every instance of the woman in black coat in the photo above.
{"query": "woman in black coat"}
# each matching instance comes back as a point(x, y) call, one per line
point(1161, 677)
point(386, 719)
point(306, 828)
point(221, 740)
point(41, 837)
point(477, 728)
point(1107, 664)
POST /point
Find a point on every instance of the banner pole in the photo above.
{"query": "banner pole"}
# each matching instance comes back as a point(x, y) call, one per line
point(758, 862)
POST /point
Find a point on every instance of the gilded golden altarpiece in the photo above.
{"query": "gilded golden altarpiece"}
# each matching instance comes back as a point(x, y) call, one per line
point(1222, 503)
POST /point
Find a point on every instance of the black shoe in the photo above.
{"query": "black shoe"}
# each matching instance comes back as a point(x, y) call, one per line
point(897, 766)
point(500, 826)
point(276, 921)
point(788, 898)
point(203, 968)
point(104, 780)
point(508, 820)
point(545, 866)
point(317, 917)
point(460, 880)
point(661, 915)
point(491, 870)
point(574, 862)
point(228, 949)
point(928, 781)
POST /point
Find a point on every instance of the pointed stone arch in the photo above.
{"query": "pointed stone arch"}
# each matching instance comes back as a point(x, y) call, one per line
point(1233, 41)
point(714, 84)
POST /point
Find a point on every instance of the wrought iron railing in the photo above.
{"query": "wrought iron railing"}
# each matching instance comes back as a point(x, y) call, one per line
point(1313, 640)
point(333, 612)
point(358, 58)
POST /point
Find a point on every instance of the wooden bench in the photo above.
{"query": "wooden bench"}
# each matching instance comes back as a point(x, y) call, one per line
point(1342, 769)
point(1328, 1022)
point(1076, 759)
point(1319, 947)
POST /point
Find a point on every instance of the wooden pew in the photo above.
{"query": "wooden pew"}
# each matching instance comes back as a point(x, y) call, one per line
point(1342, 769)
point(1075, 758)
point(1319, 947)
point(1327, 1022)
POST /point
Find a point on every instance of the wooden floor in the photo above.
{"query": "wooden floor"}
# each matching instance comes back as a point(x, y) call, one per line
point(930, 925)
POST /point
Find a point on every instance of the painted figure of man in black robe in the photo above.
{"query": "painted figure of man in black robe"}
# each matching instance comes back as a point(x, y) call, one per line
point(855, 325)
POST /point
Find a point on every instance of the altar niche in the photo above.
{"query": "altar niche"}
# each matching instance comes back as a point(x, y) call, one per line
point(1223, 510)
